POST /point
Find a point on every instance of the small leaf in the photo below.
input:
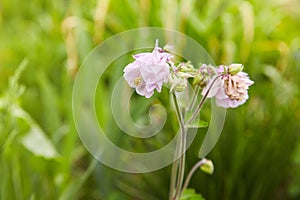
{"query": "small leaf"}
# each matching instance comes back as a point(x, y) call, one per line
point(198, 124)
point(37, 142)
point(207, 167)
point(190, 194)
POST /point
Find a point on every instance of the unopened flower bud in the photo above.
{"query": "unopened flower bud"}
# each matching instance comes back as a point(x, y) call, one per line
point(177, 83)
point(168, 47)
point(186, 67)
point(235, 68)
point(203, 75)
point(208, 166)
point(199, 80)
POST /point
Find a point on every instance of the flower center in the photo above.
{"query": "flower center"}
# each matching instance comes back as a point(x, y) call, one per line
point(138, 81)
point(233, 91)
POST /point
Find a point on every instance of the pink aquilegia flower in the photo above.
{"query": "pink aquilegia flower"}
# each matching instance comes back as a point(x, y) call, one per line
point(149, 71)
point(231, 89)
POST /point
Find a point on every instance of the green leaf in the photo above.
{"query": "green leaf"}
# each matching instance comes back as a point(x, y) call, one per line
point(37, 142)
point(49, 100)
point(190, 194)
point(198, 124)
point(73, 187)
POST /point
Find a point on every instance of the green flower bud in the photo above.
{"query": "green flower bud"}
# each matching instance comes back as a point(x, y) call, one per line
point(177, 83)
point(186, 67)
point(199, 80)
point(207, 167)
point(235, 68)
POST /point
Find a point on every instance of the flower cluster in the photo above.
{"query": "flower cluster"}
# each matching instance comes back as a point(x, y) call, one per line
point(228, 84)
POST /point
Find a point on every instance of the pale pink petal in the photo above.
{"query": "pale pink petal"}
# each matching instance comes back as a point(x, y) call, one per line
point(150, 86)
point(222, 103)
point(149, 70)
point(143, 92)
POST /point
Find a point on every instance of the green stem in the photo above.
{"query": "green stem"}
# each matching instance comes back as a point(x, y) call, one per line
point(178, 167)
point(179, 115)
point(189, 176)
point(181, 166)
point(174, 170)
point(196, 112)
point(194, 98)
point(181, 144)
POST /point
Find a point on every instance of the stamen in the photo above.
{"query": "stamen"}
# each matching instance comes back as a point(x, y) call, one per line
point(138, 81)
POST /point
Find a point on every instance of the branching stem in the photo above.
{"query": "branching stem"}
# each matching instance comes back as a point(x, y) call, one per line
point(196, 112)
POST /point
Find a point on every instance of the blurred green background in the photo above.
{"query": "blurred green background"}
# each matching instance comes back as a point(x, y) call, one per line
point(43, 43)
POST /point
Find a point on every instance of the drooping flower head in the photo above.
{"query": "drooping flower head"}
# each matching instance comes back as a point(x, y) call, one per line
point(231, 89)
point(149, 71)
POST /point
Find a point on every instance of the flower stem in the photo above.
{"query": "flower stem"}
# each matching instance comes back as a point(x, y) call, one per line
point(179, 114)
point(181, 166)
point(194, 98)
point(195, 167)
point(196, 112)
point(174, 170)
point(178, 167)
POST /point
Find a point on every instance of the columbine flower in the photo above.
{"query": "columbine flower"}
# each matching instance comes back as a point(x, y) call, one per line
point(149, 71)
point(231, 89)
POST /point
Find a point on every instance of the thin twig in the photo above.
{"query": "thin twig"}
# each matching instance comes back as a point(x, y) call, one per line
point(174, 170)
point(181, 166)
point(196, 112)
point(180, 118)
point(194, 97)
point(195, 167)
point(182, 149)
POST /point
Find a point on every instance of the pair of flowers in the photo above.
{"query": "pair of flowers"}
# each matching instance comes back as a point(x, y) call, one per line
point(228, 84)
